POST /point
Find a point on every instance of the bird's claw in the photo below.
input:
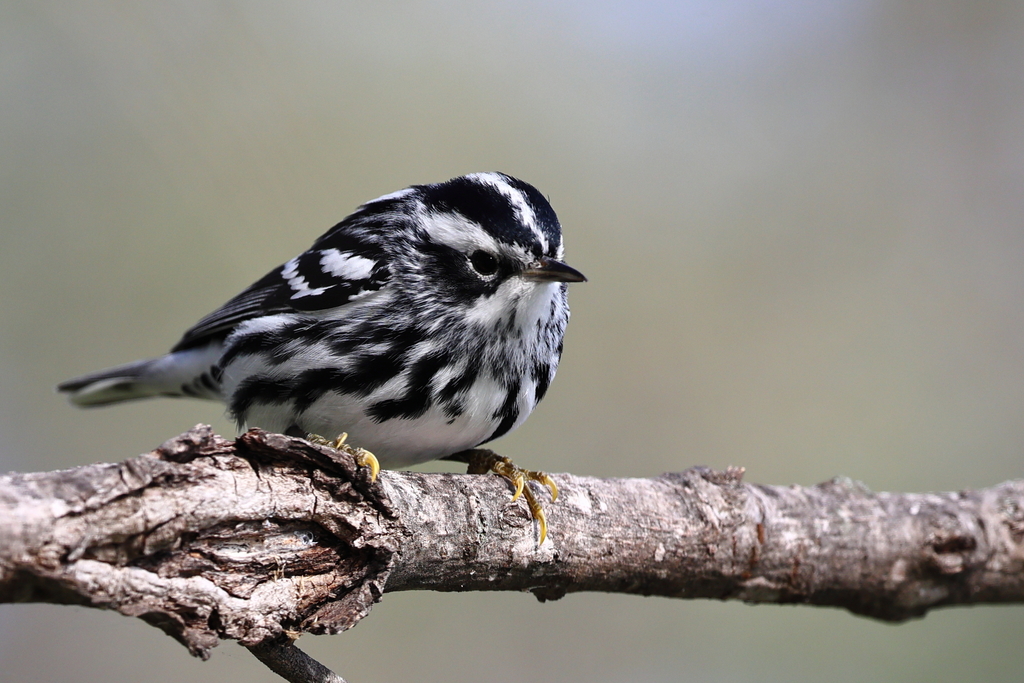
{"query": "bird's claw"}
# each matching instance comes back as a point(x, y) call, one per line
point(363, 457)
point(367, 459)
point(483, 461)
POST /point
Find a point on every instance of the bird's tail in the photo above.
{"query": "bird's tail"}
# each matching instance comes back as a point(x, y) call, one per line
point(184, 373)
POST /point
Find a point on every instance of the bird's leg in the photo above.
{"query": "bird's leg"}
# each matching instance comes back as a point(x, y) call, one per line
point(363, 457)
point(485, 461)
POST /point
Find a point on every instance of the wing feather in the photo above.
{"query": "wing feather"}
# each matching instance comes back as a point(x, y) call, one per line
point(344, 264)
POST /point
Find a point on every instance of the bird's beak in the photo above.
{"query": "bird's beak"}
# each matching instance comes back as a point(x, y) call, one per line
point(550, 270)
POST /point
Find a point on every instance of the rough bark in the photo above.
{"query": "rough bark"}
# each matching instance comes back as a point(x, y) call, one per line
point(266, 537)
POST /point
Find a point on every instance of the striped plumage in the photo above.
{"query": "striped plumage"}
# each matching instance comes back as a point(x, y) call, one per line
point(427, 322)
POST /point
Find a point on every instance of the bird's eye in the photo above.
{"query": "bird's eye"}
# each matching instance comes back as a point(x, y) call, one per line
point(483, 263)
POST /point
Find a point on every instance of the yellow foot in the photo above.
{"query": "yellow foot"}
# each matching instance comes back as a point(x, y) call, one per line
point(483, 461)
point(364, 458)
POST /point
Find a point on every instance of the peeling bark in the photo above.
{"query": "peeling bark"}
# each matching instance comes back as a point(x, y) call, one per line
point(266, 537)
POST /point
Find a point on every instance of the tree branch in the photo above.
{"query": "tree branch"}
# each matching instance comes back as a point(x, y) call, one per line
point(266, 537)
point(292, 664)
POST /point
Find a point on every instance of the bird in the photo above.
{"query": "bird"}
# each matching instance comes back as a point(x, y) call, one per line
point(428, 322)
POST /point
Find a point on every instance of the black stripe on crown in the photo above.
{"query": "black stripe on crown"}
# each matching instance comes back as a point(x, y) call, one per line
point(485, 205)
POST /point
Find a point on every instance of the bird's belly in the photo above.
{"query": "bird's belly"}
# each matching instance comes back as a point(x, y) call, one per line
point(405, 420)
point(399, 442)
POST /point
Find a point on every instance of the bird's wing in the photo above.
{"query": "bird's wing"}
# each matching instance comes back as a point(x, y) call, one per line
point(344, 264)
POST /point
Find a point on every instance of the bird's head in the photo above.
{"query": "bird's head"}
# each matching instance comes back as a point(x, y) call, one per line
point(485, 243)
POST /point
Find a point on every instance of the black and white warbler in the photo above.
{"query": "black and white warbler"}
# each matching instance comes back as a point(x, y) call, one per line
point(428, 322)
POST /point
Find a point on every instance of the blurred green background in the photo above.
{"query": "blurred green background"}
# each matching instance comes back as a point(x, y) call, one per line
point(802, 223)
